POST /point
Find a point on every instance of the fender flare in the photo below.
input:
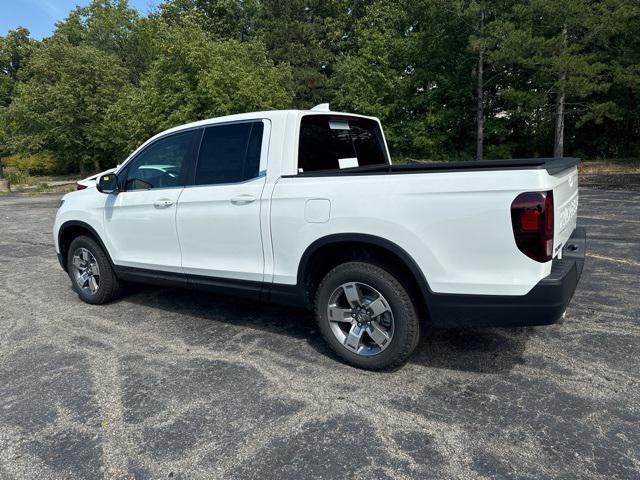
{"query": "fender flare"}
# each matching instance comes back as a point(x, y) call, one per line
point(372, 240)
point(77, 223)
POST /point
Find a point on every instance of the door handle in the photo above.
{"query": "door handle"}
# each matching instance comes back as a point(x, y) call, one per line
point(163, 203)
point(243, 199)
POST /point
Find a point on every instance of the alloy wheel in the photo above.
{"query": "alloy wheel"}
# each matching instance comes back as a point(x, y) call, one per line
point(86, 272)
point(360, 318)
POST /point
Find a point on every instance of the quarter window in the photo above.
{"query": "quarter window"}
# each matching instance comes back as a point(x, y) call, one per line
point(160, 165)
point(333, 142)
point(229, 153)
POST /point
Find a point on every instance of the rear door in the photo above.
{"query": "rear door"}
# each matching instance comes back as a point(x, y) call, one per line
point(218, 218)
point(140, 221)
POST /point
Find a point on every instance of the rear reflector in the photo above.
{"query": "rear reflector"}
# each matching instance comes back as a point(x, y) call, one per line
point(532, 222)
point(80, 186)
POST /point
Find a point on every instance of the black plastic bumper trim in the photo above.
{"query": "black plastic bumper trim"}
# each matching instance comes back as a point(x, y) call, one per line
point(242, 288)
point(543, 305)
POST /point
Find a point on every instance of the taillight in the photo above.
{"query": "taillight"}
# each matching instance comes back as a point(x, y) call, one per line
point(80, 186)
point(532, 222)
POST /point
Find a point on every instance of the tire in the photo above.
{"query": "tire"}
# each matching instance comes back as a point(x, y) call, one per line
point(365, 284)
point(107, 287)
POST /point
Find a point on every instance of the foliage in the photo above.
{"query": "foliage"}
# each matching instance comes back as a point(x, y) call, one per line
point(223, 19)
point(15, 176)
point(197, 77)
point(108, 77)
point(424, 99)
point(61, 101)
point(309, 36)
point(13, 51)
point(113, 27)
point(41, 163)
point(555, 48)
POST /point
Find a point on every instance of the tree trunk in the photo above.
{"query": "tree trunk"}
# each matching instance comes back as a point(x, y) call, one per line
point(96, 166)
point(480, 111)
point(480, 95)
point(558, 141)
point(1, 170)
point(83, 170)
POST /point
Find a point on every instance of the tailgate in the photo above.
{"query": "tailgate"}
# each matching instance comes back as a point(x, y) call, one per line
point(565, 201)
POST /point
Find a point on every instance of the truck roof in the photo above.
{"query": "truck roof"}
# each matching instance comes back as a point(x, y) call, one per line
point(266, 114)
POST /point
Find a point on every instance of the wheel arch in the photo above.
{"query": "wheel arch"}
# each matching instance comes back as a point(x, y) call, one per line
point(72, 229)
point(358, 246)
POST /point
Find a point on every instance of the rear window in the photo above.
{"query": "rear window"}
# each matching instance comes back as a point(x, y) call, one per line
point(333, 142)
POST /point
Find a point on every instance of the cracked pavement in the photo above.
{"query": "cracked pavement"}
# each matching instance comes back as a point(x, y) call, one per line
point(177, 384)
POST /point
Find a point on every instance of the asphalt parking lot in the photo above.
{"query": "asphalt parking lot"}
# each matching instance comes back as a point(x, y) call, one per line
point(176, 384)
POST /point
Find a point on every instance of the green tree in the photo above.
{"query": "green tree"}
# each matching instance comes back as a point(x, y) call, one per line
point(60, 102)
point(103, 24)
point(13, 51)
point(224, 19)
point(197, 77)
point(113, 27)
point(412, 67)
point(307, 35)
point(14, 48)
point(555, 46)
point(370, 81)
point(611, 125)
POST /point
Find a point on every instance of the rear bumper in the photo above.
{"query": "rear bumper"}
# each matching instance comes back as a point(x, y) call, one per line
point(543, 305)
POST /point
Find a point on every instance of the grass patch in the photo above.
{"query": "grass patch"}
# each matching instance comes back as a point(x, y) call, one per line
point(15, 176)
point(44, 188)
point(20, 181)
point(610, 166)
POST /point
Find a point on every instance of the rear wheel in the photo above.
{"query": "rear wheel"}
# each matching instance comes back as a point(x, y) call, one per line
point(367, 316)
point(90, 271)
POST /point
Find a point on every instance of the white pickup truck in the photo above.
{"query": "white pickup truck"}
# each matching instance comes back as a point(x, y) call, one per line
point(305, 208)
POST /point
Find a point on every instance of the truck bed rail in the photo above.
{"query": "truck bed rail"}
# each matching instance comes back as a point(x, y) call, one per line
point(551, 165)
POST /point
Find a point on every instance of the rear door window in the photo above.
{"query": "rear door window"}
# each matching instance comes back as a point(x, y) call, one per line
point(336, 142)
point(229, 153)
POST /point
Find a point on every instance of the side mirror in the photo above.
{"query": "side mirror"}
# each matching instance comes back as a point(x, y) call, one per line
point(108, 183)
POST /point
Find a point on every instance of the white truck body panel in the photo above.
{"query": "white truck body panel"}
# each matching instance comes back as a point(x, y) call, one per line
point(456, 226)
point(140, 235)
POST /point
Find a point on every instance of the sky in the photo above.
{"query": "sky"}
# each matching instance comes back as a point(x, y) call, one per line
point(40, 16)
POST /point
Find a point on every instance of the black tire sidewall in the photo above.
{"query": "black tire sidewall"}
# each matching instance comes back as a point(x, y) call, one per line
point(406, 325)
point(106, 286)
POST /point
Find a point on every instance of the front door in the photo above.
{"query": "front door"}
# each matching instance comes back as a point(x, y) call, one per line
point(140, 221)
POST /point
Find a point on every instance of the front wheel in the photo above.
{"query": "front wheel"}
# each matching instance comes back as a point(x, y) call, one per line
point(367, 316)
point(90, 271)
